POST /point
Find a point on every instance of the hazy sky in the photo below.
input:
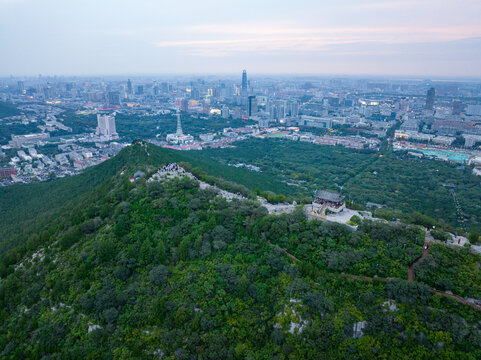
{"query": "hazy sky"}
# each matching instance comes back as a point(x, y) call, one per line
point(381, 37)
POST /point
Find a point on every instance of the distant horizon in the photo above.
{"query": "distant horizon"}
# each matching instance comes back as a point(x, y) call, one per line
point(433, 78)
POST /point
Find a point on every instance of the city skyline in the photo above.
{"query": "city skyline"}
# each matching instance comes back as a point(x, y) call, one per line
point(379, 38)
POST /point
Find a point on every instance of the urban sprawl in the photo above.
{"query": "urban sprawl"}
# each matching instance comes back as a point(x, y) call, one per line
point(426, 118)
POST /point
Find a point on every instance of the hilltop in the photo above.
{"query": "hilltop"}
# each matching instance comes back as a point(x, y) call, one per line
point(166, 266)
point(28, 208)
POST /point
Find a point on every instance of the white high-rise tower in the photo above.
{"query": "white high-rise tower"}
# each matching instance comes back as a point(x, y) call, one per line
point(106, 127)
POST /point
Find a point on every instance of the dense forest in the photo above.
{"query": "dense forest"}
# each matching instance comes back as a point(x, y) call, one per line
point(27, 208)
point(135, 270)
point(391, 179)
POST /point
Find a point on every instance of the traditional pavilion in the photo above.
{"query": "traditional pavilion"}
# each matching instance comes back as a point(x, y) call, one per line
point(328, 200)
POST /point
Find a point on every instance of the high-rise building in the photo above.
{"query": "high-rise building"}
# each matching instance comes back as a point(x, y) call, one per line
point(225, 112)
point(106, 127)
point(430, 99)
point(48, 92)
point(21, 87)
point(206, 108)
point(113, 98)
point(294, 108)
point(244, 83)
point(273, 112)
point(195, 94)
point(164, 87)
point(184, 105)
point(251, 105)
point(129, 87)
point(458, 107)
point(140, 90)
point(7, 171)
point(237, 113)
point(404, 104)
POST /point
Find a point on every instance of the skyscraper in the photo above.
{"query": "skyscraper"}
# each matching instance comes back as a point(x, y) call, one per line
point(244, 83)
point(252, 105)
point(430, 99)
point(129, 87)
point(48, 92)
point(21, 87)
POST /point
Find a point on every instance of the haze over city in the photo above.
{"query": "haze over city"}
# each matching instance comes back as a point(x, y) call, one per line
point(424, 38)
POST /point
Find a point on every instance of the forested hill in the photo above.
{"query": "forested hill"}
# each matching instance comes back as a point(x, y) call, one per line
point(166, 269)
point(34, 207)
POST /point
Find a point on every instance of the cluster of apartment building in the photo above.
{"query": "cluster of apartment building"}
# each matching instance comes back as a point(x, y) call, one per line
point(355, 113)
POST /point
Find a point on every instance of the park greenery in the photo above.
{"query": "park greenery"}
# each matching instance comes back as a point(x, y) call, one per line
point(147, 125)
point(135, 270)
point(8, 109)
point(401, 184)
point(294, 170)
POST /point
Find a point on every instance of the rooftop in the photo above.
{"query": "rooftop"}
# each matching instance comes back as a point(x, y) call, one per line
point(329, 196)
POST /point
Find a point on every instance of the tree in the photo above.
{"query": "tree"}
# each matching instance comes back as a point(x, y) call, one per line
point(106, 250)
point(159, 275)
point(183, 249)
point(33, 242)
point(146, 252)
point(220, 233)
point(318, 303)
point(440, 234)
point(408, 292)
point(205, 249)
point(110, 315)
point(355, 220)
point(473, 238)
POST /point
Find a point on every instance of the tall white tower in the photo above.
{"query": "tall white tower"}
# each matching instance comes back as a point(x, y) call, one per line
point(106, 127)
point(179, 131)
point(179, 137)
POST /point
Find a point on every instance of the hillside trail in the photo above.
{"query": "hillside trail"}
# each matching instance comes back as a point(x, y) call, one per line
point(411, 274)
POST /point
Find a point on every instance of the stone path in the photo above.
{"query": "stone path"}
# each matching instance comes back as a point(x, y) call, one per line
point(425, 253)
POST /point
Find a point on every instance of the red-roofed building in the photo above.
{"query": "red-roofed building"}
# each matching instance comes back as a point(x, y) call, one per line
point(7, 172)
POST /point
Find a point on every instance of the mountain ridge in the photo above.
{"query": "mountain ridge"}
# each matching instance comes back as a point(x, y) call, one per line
point(168, 269)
